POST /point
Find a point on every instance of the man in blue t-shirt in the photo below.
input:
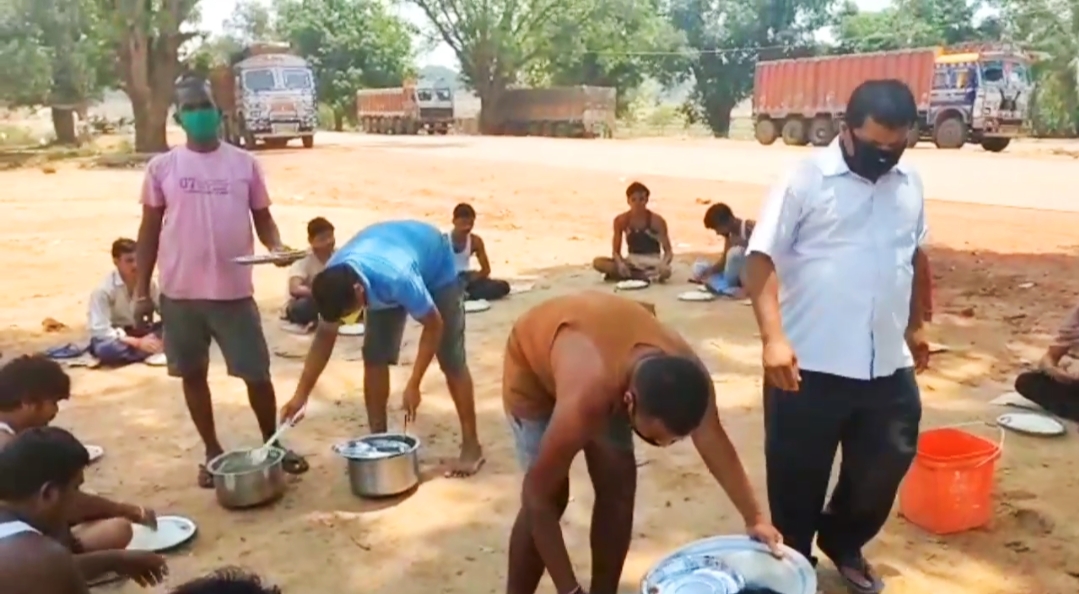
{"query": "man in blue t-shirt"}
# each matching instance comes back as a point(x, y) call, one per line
point(391, 271)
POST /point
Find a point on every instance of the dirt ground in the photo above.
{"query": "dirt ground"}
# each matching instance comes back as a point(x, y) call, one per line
point(542, 225)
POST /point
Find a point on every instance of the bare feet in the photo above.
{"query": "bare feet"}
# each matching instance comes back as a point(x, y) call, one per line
point(468, 463)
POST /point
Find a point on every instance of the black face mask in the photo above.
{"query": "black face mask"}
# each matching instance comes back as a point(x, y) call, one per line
point(646, 440)
point(869, 160)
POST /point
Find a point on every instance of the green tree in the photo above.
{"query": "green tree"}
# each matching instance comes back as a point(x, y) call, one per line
point(730, 37)
point(912, 23)
point(51, 53)
point(621, 44)
point(250, 21)
point(351, 44)
point(145, 37)
point(498, 41)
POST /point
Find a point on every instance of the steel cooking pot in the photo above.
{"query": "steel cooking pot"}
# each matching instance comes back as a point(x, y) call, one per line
point(381, 465)
point(239, 484)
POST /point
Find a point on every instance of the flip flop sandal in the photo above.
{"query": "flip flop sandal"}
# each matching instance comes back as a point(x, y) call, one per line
point(294, 463)
point(205, 479)
point(863, 567)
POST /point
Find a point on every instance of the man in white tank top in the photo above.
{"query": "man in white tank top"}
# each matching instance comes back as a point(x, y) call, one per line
point(477, 284)
point(43, 470)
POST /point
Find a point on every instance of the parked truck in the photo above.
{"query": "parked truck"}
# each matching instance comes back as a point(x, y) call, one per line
point(969, 94)
point(267, 95)
point(405, 110)
point(565, 112)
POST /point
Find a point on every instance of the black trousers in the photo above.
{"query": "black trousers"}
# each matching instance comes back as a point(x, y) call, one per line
point(874, 423)
point(301, 311)
point(1059, 398)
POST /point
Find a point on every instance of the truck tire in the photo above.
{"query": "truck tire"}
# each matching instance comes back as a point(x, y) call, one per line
point(821, 131)
point(249, 141)
point(794, 132)
point(950, 133)
point(995, 144)
point(309, 141)
point(765, 131)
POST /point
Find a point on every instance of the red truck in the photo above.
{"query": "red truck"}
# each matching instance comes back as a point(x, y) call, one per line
point(975, 94)
point(566, 112)
point(405, 110)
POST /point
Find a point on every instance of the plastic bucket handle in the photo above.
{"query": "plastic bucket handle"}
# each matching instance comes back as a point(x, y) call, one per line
point(1000, 443)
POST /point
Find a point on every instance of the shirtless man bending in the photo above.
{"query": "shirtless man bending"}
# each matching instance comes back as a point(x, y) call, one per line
point(31, 388)
point(42, 470)
point(647, 242)
point(584, 372)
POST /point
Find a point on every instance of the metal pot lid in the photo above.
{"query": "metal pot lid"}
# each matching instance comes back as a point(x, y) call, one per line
point(239, 462)
point(373, 447)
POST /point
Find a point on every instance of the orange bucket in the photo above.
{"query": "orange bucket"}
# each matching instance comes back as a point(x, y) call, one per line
point(949, 487)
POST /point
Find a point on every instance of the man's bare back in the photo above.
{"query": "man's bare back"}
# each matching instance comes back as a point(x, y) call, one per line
point(31, 563)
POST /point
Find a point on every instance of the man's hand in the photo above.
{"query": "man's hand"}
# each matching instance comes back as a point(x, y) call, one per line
point(919, 348)
point(144, 516)
point(294, 409)
point(150, 344)
point(766, 533)
point(145, 568)
point(284, 262)
point(410, 401)
point(781, 365)
point(622, 268)
point(143, 311)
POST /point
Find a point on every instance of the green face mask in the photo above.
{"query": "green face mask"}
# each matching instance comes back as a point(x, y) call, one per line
point(201, 124)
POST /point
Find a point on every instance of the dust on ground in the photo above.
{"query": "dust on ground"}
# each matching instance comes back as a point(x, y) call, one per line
point(542, 225)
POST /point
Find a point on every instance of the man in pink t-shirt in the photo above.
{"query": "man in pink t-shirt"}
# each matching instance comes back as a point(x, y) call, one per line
point(198, 204)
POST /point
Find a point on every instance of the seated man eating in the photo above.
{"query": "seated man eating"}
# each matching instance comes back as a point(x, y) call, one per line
point(646, 237)
point(31, 388)
point(724, 276)
point(477, 284)
point(43, 470)
point(115, 338)
point(1054, 385)
point(301, 308)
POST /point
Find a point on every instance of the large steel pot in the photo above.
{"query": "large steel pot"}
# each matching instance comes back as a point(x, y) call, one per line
point(381, 465)
point(239, 484)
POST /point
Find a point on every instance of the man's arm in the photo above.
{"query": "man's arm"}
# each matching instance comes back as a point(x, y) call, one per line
point(480, 249)
point(149, 237)
point(412, 294)
point(297, 288)
point(721, 459)
point(259, 199)
point(664, 239)
point(921, 283)
point(99, 318)
point(576, 419)
point(774, 234)
point(88, 508)
point(616, 239)
point(51, 569)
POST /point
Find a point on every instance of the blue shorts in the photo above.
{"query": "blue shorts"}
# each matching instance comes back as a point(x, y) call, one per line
point(528, 433)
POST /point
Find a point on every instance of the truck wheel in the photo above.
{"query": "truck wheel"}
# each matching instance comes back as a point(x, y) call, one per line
point(995, 144)
point(309, 141)
point(794, 132)
point(821, 131)
point(950, 133)
point(249, 141)
point(765, 131)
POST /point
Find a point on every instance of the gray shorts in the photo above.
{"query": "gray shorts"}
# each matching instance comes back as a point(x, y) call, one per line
point(528, 433)
point(236, 327)
point(385, 328)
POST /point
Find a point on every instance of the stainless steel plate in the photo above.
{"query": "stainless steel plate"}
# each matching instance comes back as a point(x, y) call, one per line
point(705, 566)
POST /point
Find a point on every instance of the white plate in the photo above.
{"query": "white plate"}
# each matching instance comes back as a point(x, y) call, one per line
point(696, 296)
point(748, 558)
point(293, 328)
point(96, 452)
point(1032, 424)
point(270, 258)
point(1016, 400)
point(157, 360)
point(631, 285)
point(350, 330)
point(477, 305)
point(172, 531)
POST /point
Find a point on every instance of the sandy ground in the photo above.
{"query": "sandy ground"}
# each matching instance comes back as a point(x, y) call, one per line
point(543, 224)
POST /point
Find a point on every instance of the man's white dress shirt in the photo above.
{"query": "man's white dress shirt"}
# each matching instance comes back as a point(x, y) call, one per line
point(843, 249)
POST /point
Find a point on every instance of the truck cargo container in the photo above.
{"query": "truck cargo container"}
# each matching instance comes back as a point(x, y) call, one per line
point(976, 93)
point(568, 112)
point(266, 96)
point(405, 110)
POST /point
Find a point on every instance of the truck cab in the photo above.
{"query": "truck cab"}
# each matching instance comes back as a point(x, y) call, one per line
point(980, 97)
point(435, 108)
point(274, 102)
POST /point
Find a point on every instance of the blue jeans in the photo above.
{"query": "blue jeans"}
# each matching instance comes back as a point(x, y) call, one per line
point(731, 277)
point(115, 352)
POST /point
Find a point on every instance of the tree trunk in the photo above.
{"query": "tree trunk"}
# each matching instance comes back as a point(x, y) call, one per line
point(63, 125)
point(717, 113)
point(338, 121)
point(150, 127)
point(490, 119)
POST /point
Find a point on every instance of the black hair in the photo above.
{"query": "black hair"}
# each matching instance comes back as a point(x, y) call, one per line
point(191, 82)
point(888, 102)
point(637, 187)
point(229, 580)
point(122, 246)
point(464, 211)
point(334, 292)
point(31, 379)
point(718, 215)
point(39, 457)
point(674, 390)
point(317, 226)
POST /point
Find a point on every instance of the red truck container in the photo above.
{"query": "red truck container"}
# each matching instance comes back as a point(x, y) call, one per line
point(575, 112)
point(802, 99)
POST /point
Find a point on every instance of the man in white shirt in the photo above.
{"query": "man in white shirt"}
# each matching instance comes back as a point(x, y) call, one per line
point(301, 308)
point(115, 338)
point(834, 261)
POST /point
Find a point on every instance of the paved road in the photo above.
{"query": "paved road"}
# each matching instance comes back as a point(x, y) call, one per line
point(1022, 177)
